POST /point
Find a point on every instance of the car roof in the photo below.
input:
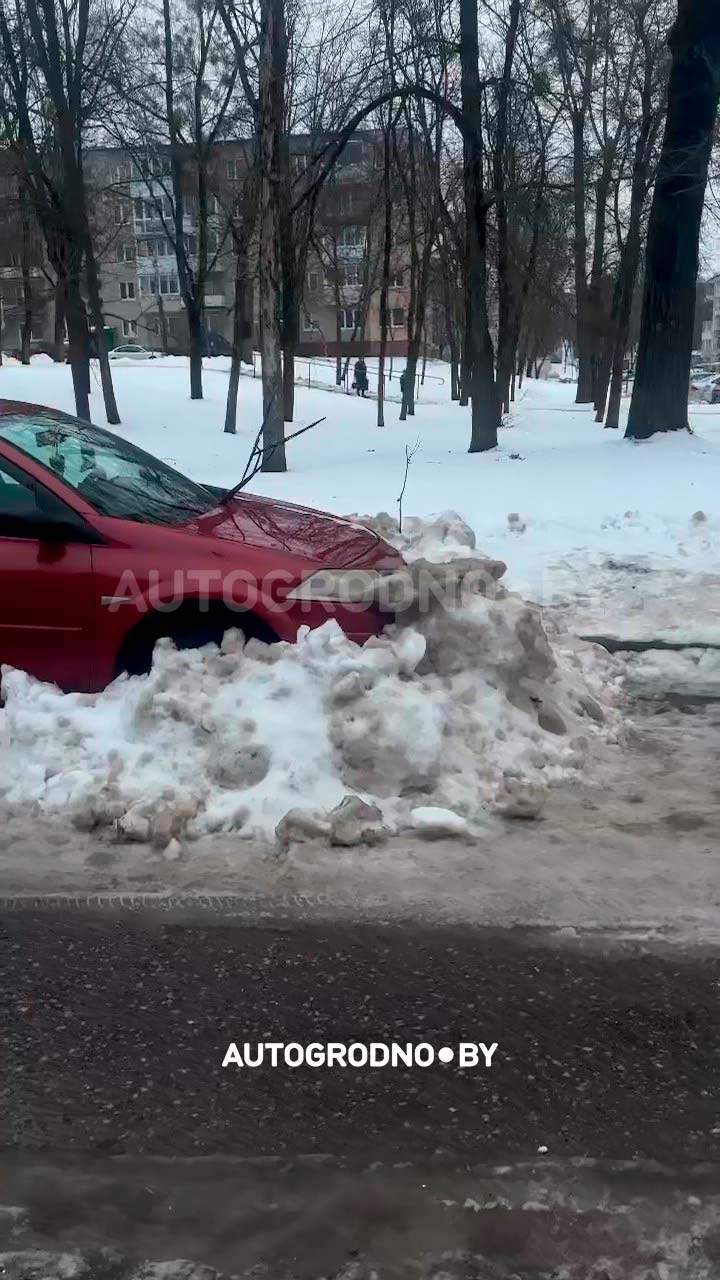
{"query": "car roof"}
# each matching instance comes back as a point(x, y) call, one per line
point(23, 408)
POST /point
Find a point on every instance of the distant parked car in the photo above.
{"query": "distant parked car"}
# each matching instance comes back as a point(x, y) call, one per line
point(710, 390)
point(131, 351)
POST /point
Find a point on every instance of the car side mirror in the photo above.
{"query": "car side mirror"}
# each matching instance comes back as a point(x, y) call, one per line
point(59, 531)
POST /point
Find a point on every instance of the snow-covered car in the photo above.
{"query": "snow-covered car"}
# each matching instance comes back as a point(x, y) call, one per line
point(130, 351)
point(105, 549)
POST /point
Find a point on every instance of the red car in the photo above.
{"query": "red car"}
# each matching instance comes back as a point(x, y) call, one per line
point(104, 549)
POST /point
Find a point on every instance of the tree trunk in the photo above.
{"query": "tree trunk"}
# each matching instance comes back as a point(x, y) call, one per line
point(190, 296)
point(162, 321)
point(292, 275)
point(26, 332)
point(584, 344)
point(195, 335)
point(79, 342)
point(385, 276)
point(59, 323)
point(597, 322)
point(612, 419)
point(483, 392)
point(605, 361)
point(96, 309)
point(506, 302)
point(289, 345)
point(273, 64)
point(240, 330)
point(660, 393)
point(466, 352)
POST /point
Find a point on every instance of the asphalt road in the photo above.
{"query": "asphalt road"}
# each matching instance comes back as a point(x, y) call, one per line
point(114, 1032)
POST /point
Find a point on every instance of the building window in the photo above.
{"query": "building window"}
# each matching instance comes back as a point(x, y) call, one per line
point(346, 201)
point(313, 281)
point(147, 212)
point(126, 253)
point(351, 273)
point(168, 283)
point(398, 317)
point(396, 280)
point(231, 170)
point(352, 153)
point(309, 324)
point(129, 329)
point(165, 283)
point(351, 237)
point(127, 289)
point(349, 318)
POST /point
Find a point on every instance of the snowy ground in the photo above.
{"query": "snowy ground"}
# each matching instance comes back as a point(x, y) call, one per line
point(609, 538)
point(475, 712)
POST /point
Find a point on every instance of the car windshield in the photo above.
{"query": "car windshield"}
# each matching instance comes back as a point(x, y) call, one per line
point(115, 477)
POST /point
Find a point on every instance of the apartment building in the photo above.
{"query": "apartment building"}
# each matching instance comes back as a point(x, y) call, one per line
point(22, 263)
point(341, 301)
point(134, 232)
point(133, 228)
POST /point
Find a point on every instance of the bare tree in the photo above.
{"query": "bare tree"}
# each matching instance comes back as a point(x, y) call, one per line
point(660, 393)
point(59, 56)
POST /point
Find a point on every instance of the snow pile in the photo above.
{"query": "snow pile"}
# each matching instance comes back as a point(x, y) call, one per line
point(440, 538)
point(464, 709)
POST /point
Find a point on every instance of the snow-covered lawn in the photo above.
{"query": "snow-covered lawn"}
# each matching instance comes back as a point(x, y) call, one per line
point(583, 519)
point(443, 727)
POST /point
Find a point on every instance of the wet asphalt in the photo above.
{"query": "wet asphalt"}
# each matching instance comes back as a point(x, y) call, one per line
point(589, 1148)
point(114, 1031)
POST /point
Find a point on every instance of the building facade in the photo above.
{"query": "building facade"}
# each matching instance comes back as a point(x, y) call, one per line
point(132, 213)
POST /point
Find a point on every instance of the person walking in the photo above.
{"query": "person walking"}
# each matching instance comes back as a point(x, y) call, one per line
point(361, 378)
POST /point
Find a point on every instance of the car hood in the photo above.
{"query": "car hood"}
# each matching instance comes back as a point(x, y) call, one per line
point(300, 531)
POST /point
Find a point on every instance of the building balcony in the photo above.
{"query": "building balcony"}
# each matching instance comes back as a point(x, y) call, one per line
point(147, 262)
point(15, 273)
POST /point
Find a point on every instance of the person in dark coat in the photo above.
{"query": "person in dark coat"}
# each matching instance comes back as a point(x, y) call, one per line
point(361, 378)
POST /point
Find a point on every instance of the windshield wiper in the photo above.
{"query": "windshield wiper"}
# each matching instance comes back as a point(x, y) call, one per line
point(258, 456)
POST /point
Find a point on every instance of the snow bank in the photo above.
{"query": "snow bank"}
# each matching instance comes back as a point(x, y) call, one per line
point(465, 709)
point(691, 672)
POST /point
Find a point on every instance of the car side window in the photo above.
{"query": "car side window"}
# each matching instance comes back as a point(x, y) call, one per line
point(25, 507)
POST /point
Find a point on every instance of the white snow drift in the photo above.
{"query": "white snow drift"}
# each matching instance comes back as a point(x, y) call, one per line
point(462, 710)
